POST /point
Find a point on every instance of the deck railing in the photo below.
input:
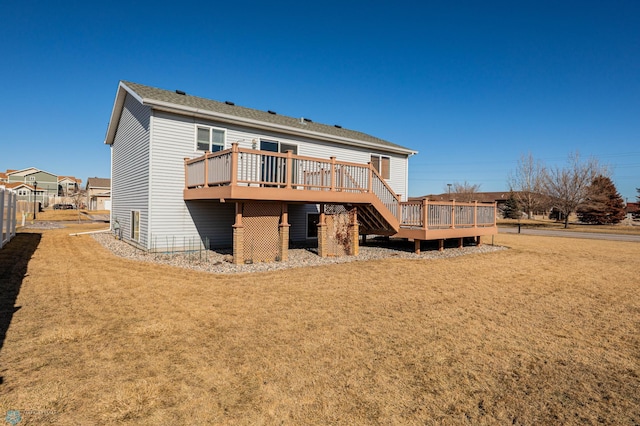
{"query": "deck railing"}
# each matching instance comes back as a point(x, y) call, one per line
point(247, 167)
point(447, 214)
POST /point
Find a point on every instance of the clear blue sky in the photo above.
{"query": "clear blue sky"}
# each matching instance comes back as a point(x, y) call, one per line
point(471, 85)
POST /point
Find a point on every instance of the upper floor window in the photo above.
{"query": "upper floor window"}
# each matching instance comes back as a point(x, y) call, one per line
point(382, 165)
point(210, 139)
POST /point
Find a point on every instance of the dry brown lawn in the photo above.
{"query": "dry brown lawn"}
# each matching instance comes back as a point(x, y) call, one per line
point(543, 333)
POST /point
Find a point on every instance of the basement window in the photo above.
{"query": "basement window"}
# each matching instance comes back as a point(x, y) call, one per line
point(135, 225)
point(382, 165)
point(210, 139)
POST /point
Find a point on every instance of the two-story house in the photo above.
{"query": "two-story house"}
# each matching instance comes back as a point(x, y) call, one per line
point(189, 171)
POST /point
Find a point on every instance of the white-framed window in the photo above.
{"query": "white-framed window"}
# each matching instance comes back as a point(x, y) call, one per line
point(210, 139)
point(382, 164)
point(135, 225)
point(31, 178)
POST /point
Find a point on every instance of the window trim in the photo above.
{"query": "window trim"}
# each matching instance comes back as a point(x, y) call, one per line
point(210, 129)
point(380, 169)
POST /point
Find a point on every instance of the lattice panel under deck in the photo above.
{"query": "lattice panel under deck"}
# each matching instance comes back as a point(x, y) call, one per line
point(261, 231)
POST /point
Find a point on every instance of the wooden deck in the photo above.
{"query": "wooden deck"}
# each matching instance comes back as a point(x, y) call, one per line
point(238, 174)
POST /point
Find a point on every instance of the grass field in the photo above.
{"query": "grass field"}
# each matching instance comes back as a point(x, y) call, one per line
point(543, 333)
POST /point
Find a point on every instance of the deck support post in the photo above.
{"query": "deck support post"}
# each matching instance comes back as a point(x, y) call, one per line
point(238, 237)
point(284, 233)
point(364, 240)
point(440, 245)
point(416, 246)
point(322, 234)
point(478, 241)
point(460, 242)
point(353, 232)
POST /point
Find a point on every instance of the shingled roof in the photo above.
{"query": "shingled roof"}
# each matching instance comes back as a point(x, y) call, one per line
point(193, 105)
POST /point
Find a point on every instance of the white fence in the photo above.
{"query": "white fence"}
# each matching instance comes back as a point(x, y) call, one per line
point(8, 202)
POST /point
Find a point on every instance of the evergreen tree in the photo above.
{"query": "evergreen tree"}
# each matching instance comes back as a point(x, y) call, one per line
point(511, 208)
point(603, 205)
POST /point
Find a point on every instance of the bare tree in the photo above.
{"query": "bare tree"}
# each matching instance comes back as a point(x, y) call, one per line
point(568, 187)
point(465, 191)
point(78, 198)
point(526, 182)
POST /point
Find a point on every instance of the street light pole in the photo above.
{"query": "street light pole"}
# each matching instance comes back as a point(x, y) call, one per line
point(35, 193)
point(449, 185)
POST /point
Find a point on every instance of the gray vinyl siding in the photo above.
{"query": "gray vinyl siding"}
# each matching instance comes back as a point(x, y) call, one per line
point(130, 169)
point(175, 223)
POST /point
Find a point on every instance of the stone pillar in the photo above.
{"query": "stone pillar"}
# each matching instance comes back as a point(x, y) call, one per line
point(284, 232)
point(238, 237)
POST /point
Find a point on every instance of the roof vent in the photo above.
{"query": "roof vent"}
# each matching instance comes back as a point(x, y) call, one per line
point(271, 112)
point(308, 120)
point(337, 126)
point(229, 103)
point(181, 92)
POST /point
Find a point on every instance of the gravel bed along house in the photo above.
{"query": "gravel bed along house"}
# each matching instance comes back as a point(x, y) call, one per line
point(219, 261)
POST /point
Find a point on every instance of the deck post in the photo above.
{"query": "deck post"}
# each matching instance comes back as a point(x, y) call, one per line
point(453, 214)
point(234, 164)
point(440, 245)
point(460, 242)
point(416, 246)
point(370, 183)
point(475, 214)
point(425, 213)
point(186, 173)
point(284, 232)
point(289, 169)
point(332, 177)
point(206, 170)
point(238, 237)
point(353, 232)
point(322, 234)
point(478, 241)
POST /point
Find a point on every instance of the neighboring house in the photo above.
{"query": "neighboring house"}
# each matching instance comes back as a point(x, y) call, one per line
point(68, 185)
point(633, 210)
point(45, 182)
point(4, 177)
point(26, 195)
point(98, 193)
point(188, 171)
